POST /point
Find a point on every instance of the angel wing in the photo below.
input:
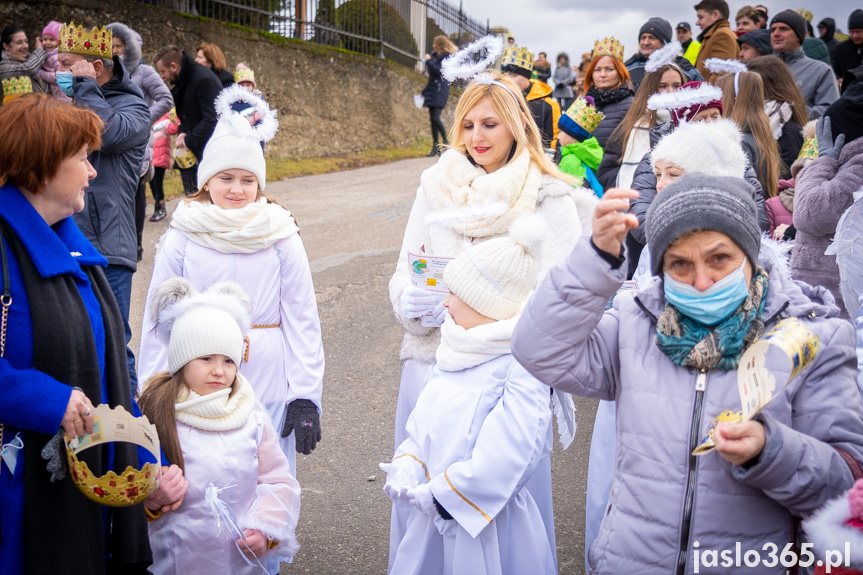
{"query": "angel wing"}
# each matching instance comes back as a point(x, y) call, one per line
point(847, 246)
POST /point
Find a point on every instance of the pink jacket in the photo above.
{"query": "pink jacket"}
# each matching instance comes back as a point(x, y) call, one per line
point(776, 212)
point(162, 146)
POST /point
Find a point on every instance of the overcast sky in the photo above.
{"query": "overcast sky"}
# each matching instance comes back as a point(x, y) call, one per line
point(572, 26)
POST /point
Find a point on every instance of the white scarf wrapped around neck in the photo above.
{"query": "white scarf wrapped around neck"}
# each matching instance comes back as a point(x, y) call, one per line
point(454, 184)
point(246, 230)
point(217, 411)
point(462, 348)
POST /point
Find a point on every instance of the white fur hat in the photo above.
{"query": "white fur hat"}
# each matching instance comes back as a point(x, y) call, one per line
point(496, 276)
point(711, 148)
point(198, 324)
point(235, 144)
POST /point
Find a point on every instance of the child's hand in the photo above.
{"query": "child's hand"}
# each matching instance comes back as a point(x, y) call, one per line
point(254, 544)
point(172, 490)
point(740, 442)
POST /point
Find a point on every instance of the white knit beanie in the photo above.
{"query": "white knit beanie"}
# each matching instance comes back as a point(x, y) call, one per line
point(495, 277)
point(235, 144)
point(710, 148)
point(199, 324)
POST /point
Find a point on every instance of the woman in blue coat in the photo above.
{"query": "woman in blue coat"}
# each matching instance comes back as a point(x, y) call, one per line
point(436, 92)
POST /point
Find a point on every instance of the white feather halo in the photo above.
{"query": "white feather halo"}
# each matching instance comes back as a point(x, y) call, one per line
point(476, 57)
point(265, 130)
point(663, 56)
point(721, 66)
point(684, 97)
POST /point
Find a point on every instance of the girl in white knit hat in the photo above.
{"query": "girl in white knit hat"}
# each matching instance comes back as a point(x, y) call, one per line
point(480, 428)
point(240, 512)
point(231, 231)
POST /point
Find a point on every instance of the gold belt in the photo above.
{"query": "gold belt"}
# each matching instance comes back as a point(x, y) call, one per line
point(248, 342)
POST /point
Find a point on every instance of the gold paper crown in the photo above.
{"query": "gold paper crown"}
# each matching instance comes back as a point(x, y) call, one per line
point(805, 13)
point(244, 75)
point(841, 36)
point(185, 158)
point(585, 115)
point(75, 40)
point(13, 87)
point(131, 486)
point(608, 47)
point(809, 149)
point(518, 56)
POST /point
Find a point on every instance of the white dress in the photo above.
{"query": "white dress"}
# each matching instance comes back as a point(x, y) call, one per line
point(252, 473)
point(285, 353)
point(476, 436)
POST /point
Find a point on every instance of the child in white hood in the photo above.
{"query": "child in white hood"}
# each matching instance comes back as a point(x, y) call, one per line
point(478, 431)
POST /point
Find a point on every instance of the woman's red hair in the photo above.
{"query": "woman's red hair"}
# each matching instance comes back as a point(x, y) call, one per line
point(37, 133)
point(618, 65)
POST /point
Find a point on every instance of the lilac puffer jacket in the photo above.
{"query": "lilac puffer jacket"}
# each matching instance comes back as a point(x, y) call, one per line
point(663, 500)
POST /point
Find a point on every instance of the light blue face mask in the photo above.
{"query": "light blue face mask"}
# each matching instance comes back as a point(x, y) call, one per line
point(64, 82)
point(713, 305)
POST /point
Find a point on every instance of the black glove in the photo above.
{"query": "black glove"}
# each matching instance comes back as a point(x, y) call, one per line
point(303, 419)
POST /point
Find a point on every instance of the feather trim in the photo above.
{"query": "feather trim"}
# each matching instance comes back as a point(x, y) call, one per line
point(685, 97)
point(827, 529)
point(663, 56)
point(266, 128)
point(476, 57)
point(722, 66)
point(448, 217)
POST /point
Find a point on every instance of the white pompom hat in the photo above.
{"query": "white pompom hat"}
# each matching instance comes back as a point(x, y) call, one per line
point(710, 148)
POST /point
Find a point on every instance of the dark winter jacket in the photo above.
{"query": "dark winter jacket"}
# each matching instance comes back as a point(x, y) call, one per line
point(436, 92)
point(828, 37)
point(194, 94)
point(816, 81)
point(614, 114)
point(108, 218)
point(636, 63)
point(644, 182)
point(825, 189)
point(225, 77)
point(545, 111)
point(847, 56)
point(790, 141)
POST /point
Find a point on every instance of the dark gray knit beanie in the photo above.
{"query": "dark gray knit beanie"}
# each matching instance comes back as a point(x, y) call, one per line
point(659, 27)
point(697, 202)
point(793, 20)
point(855, 20)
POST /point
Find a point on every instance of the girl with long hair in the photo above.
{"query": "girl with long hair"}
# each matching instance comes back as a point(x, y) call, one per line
point(743, 102)
point(784, 106)
point(436, 92)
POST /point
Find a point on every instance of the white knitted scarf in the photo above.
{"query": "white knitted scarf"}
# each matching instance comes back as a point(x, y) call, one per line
point(455, 184)
point(247, 230)
point(462, 348)
point(216, 411)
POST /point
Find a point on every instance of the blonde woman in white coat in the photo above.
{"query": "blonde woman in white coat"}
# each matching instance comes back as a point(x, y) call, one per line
point(231, 231)
point(494, 172)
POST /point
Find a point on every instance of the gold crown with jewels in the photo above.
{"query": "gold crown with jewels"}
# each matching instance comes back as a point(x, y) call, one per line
point(585, 115)
point(244, 75)
point(608, 47)
point(809, 150)
point(14, 87)
point(76, 40)
point(805, 13)
point(518, 56)
point(129, 487)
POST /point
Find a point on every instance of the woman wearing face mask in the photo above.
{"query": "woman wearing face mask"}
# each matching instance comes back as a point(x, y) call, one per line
point(668, 355)
point(16, 59)
point(631, 140)
point(494, 172)
point(606, 80)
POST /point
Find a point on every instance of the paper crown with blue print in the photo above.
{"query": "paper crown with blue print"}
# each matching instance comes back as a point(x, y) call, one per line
point(517, 56)
point(608, 47)
point(581, 119)
point(76, 40)
point(14, 87)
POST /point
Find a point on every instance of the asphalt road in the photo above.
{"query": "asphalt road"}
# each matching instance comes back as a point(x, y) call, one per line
point(352, 224)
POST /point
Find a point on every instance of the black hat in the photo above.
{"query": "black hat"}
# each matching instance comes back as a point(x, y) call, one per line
point(685, 26)
point(793, 20)
point(659, 27)
point(846, 113)
point(855, 20)
point(758, 39)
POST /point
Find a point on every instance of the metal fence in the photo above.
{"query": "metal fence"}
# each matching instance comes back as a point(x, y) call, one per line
point(399, 30)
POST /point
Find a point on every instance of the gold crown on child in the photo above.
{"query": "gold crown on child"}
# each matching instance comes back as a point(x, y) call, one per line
point(608, 47)
point(76, 40)
point(585, 115)
point(805, 13)
point(130, 487)
point(518, 56)
point(244, 75)
point(17, 86)
point(809, 149)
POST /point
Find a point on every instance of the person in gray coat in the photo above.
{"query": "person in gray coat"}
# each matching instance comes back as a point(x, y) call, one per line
point(563, 78)
point(668, 355)
point(103, 85)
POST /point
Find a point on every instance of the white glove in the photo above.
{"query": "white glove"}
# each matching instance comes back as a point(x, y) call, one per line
point(438, 315)
point(399, 483)
point(416, 302)
point(421, 497)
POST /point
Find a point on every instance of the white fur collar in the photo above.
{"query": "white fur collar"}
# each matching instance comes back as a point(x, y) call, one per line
point(462, 348)
point(216, 411)
point(456, 184)
point(827, 530)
